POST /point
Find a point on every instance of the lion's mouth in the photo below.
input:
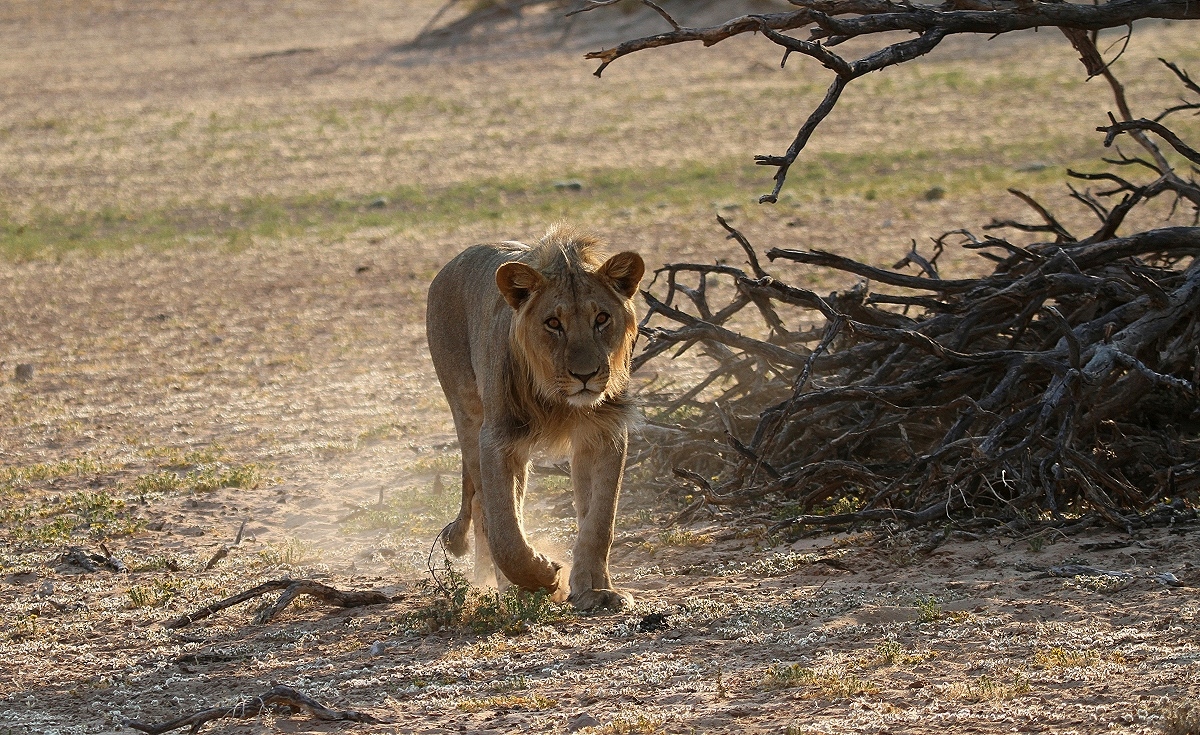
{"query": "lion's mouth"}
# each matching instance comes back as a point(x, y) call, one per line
point(584, 397)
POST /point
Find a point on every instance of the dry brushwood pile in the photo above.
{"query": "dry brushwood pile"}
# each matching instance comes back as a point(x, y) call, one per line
point(1061, 387)
point(1063, 384)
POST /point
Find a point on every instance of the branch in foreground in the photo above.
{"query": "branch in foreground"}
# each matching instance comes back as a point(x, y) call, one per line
point(292, 588)
point(278, 696)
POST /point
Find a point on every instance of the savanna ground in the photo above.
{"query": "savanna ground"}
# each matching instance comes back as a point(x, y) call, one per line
point(217, 224)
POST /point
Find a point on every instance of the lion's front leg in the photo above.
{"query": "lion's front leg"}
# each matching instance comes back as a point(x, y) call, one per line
point(596, 469)
point(502, 487)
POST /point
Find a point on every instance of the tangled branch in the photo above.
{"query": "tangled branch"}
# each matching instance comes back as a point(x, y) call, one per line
point(1064, 385)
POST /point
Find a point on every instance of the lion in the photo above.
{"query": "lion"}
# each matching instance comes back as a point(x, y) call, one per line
point(532, 346)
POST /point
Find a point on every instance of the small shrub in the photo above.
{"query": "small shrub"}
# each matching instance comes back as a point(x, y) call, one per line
point(929, 610)
point(154, 594)
point(891, 653)
point(456, 603)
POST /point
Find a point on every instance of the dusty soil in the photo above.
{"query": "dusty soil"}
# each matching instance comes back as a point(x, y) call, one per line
point(179, 393)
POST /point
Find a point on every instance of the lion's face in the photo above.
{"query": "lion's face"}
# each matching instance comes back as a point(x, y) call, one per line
point(574, 327)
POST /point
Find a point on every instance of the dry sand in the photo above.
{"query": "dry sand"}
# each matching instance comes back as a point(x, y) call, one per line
point(301, 364)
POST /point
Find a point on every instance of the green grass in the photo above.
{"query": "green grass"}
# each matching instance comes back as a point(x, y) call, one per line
point(98, 515)
point(203, 478)
point(520, 702)
point(411, 511)
point(34, 513)
point(155, 593)
point(873, 175)
point(12, 478)
point(292, 552)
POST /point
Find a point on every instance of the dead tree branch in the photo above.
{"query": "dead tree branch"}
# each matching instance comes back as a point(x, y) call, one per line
point(832, 22)
point(292, 588)
point(277, 696)
point(1112, 131)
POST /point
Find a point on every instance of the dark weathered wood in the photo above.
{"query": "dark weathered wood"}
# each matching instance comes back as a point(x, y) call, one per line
point(1043, 387)
point(292, 588)
point(277, 696)
point(1059, 343)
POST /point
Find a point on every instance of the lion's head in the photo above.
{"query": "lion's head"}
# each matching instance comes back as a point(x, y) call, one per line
point(574, 324)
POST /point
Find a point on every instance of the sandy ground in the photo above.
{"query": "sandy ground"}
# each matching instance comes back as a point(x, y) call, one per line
point(309, 363)
point(177, 395)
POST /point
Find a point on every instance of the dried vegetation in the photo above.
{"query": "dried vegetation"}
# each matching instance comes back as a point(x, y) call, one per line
point(1063, 387)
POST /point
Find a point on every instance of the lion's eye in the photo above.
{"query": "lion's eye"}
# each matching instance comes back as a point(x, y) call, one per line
point(602, 319)
point(553, 323)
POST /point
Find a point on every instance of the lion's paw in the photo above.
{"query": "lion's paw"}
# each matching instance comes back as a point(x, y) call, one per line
point(601, 599)
point(454, 536)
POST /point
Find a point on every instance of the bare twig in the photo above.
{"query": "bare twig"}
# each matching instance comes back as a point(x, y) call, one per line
point(223, 552)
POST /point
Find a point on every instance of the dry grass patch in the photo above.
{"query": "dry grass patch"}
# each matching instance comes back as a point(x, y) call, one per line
point(1180, 719)
point(523, 702)
point(638, 723)
point(450, 601)
point(892, 653)
point(1062, 658)
point(820, 681)
point(988, 689)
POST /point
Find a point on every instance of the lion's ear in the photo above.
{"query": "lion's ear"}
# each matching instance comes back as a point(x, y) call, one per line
point(517, 282)
point(624, 271)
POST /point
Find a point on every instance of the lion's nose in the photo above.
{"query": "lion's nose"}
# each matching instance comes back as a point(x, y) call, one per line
point(584, 378)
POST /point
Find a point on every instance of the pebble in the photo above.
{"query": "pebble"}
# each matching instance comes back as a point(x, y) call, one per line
point(580, 721)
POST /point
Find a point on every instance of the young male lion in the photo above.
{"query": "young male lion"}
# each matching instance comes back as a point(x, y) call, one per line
point(532, 346)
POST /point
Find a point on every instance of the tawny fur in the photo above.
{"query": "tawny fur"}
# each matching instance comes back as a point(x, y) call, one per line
point(532, 345)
